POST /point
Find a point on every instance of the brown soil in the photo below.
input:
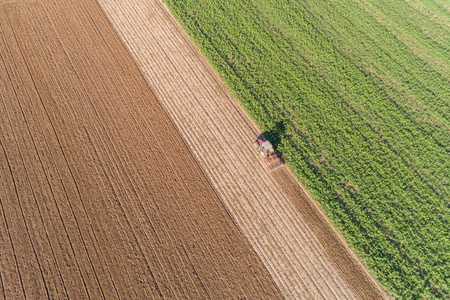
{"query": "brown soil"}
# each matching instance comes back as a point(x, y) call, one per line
point(99, 196)
point(220, 136)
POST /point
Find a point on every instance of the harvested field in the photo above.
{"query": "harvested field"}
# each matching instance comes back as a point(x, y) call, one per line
point(99, 196)
point(207, 116)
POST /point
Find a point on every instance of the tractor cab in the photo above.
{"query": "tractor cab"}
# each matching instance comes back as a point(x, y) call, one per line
point(270, 157)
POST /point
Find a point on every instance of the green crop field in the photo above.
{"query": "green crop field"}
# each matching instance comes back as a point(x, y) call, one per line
point(356, 96)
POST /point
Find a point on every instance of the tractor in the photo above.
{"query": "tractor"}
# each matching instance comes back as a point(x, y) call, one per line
point(270, 157)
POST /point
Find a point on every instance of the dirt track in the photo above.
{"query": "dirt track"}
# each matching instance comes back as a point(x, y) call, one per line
point(207, 116)
point(99, 196)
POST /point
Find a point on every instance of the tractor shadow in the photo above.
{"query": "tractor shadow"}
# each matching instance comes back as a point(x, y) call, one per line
point(275, 134)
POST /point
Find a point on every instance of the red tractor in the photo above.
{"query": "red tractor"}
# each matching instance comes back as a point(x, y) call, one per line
point(268, 153)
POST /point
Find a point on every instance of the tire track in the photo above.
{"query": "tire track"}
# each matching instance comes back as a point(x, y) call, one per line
point(66, 223)
point(38, 287)
point(24, 94)
point(14, 294)
point(80, 89)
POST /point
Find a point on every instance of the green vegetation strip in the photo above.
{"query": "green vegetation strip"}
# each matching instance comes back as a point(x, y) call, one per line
point(356, 95)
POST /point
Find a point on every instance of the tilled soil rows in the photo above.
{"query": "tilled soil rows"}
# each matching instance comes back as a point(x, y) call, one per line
point(220, 136)
point(99, 196)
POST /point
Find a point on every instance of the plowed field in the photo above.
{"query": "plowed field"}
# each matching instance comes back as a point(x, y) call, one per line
point(221, 136)
point(99, 196)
